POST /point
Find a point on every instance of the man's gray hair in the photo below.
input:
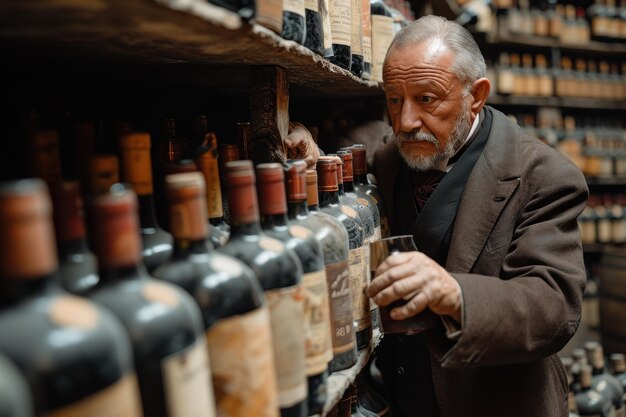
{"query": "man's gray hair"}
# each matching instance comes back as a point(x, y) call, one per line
point(469, 64)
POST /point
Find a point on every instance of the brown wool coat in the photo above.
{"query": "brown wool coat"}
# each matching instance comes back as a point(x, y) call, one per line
point(516, 253)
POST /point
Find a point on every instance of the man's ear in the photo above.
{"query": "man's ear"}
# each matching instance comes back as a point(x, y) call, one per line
point(480, 92)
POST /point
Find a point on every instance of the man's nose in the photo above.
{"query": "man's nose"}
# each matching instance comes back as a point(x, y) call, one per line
point(410, 118)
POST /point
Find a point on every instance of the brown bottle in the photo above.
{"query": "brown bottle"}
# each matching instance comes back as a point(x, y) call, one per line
point(236, 316)
point(87, 358)
point(104, 171)
point(15, 397)
point(207, 163)
point(163, 322)
point(336, 257)
point(244, 137)
point(362, 184)
point(137, 170)
point(228, 152)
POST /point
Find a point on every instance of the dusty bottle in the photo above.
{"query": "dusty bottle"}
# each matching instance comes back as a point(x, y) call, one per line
point(618, 363)
point(335, 243)
point(589, 401)
point(137, 171)
point(356, 38)
point(317, 308)
point(236, 315)
point(279, 271)
point(341, 26)
point(228, 152)
point(78, 271)
point(294, 23)
point(86, 353)
point(207, 163)
point(604, 382)
point(163, 322)
point(361, 183)
point(15, 397)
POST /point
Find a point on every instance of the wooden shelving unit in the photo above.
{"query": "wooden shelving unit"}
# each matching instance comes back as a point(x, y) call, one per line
point(592, 47)
point(563, 102)
point(200, 45)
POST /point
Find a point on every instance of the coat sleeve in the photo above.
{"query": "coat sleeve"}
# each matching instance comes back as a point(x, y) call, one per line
point(533, 307)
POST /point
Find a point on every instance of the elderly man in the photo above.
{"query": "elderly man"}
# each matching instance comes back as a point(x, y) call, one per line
point(493, 214)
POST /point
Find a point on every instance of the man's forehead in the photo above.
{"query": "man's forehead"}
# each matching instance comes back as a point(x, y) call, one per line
point(429, 51)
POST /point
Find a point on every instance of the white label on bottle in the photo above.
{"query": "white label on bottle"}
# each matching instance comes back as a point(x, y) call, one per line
point(269, 13)
point(366, 21)
point(319, 347)
point(311, 5)
point(328, 33)
point(506, 81)
point(357, 28)
point(271, 244)
point(377, 233)
point(349, 211)
point(604, 230)
point(120, 400)
point(359, 307)
point(244, 376)
point(187, 383)
point(341, 22)
point(619, 231)
point(338, 276)
point(294, 6)
point(382, 35)
point(287, 316)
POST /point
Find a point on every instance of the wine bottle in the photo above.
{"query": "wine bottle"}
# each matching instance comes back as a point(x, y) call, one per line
point(341, 28)
point(45, 160)
point(382, 35)
point(280, 273)
point(207, 163)
point(294, 24)
point(360, 279)
point(314, 39)
point(330, 203)
point(324, 9)
point(236, 315)
point(359, 153)
point(589, 401)
point(78, 271)
point(366, 24)
point(356, 38)
point(104, 171)
point(228, 152)
point(163, 322)
point(244, 137)
point(137, 170)
point(618, 363)
point(603, 382)
point(335, 243)
point(75, 355)
point(301, 240)
point(15, 397)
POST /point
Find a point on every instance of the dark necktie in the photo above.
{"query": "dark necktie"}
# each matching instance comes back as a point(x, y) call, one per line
point(424, 184)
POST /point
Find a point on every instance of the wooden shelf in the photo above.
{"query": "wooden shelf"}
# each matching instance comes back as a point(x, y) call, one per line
point(592, 47)
point(338, 382)
point(145, 42)
point(612, 180)
point(563, 102)
point(599, 247)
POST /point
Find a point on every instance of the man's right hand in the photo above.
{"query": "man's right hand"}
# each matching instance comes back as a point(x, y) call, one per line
point(299, 144)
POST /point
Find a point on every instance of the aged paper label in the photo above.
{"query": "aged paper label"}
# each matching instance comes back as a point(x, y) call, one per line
point(341, 22)
point(366, 21)
point(294, 6)
point(311, 5)
point(338, 276)
point(360, 303)
point(382, 35)
point(357, 28)
point(319, 347)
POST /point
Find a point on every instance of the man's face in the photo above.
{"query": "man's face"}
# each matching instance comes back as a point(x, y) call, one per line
point(429, 109)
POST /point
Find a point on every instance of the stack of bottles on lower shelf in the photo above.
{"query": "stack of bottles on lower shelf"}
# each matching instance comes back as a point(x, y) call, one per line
point(593, 390)
point(119, 316)
point(604, 220)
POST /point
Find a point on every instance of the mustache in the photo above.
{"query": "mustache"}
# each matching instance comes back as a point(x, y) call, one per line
point(416, 135)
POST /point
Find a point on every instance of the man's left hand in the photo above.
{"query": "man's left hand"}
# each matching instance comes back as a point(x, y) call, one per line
point(299, 144)
point(420, 281)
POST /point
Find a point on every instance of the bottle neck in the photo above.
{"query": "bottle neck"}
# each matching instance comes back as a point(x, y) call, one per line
point(298, 209)
point(329, 197)
point(185, 247)
point(15, 290)
point(360, 178)
point(341, 190)
point(69, 248)
point(314, 208)
point(111, 274)
point(147, 215)
point(245, 229)
point(348, 186)
point(273, 221)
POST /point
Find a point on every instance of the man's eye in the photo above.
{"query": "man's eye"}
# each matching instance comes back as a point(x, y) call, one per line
point(395, 100)
point(427, 99)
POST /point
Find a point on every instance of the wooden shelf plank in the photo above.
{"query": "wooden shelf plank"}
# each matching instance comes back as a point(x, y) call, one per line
point(140, 39)
point(612, 180)
point(564, 102)
point(338, 382)
point(595, 47)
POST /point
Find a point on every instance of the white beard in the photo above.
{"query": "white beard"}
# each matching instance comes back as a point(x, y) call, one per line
point(420, 162)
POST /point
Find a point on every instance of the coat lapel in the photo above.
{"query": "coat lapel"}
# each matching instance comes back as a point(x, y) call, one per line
point(491, 184)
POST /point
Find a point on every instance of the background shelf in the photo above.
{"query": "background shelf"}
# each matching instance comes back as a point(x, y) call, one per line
point(563, 102)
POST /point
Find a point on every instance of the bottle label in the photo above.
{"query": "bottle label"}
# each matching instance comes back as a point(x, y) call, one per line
point(137, 170)
point(269, 13)
point(366, 22)
point(287, 316)
point(294, 6)
point(357, 28)
point(120, 399)
point(506, 81)
point(377, 233)
point(210, 171)
point(328, 35)
point(162, 293)
point(341, 22)
point(360, 314)
point(271, 244)
point(71, 311)
point(300, 232)
point(382, 35)
point(604, 230)
point(338, 276)
point(619, 231)
point(242, 365)
point(319, 347)
point(187, 383)
point(311, 5)
point(349, 211)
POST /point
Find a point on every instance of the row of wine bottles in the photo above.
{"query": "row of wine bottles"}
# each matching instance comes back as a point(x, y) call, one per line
point(353, 34)
point(593, 390)
point(601, 21)
point(589, 79)
point(604, 219)
point(275, 310)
